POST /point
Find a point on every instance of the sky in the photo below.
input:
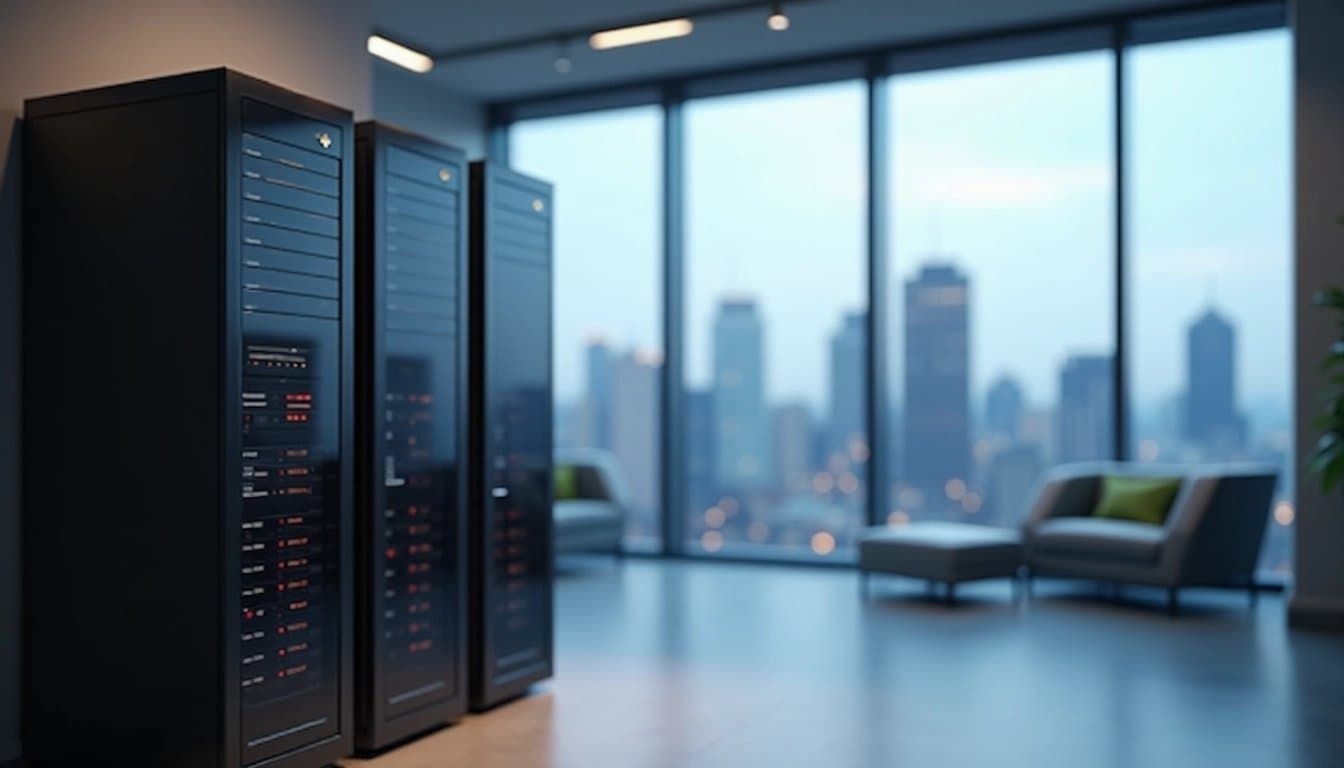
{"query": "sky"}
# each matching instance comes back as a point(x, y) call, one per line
point(1004, 170)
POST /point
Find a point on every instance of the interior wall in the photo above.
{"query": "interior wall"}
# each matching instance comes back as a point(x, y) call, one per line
point(51, 47)
point(417, 104)
point(1318, 598)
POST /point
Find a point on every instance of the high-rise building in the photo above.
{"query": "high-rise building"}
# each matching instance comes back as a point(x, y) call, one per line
point(597, 399)
point(1086, 396)
point(937, 423)
point(634, 401)
point(791, 427)
point(741, 419)
point(1211, 417)
point(1003, 407)
point(701, 482)
point(1013, 473)
point(849, 363)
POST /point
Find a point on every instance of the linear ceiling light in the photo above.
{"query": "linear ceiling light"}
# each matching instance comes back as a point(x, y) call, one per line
point(399, 54)
point(641, 33)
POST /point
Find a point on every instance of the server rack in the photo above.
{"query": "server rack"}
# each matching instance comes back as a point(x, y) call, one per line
point(411, 255)
point(510, 484)
point(188, 401)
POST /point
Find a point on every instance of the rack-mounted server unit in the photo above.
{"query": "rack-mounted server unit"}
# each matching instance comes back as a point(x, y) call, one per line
point(510, 486)
point(410, 481)
point(188, 398)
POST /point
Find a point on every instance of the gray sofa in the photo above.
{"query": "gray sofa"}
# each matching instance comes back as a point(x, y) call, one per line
point(1211, 537)
point(594, 519)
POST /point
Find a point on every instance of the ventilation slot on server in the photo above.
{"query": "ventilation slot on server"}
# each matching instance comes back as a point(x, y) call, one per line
point(291, 218)
point(422, 244)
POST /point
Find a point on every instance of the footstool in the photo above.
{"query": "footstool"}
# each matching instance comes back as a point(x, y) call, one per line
point(949, 553)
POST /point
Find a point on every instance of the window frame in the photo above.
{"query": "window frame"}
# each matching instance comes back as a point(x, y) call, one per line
point(1115, 32)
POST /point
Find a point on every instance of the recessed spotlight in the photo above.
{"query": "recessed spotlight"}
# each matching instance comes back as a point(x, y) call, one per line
point(641, 33)
point(778, 20)
point(399, 54)
point(563, 63)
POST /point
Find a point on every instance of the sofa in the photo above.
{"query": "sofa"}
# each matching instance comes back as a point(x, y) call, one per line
point(1211, 535)
point(590, 506)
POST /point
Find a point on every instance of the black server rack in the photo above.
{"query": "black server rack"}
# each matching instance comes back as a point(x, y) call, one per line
point(410, 482)
point(510, 484)
point(187, 388)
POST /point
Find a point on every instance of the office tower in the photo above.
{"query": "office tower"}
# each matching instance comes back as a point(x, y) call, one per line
point(849, 392)
point(187, 323)
point(509, 486)
point(791, 428)
point(597, 398)
point(1013, 474)
point(701, 479)
point(1003, 407)
point(635, 388)
point(937, 422)
point(741, 419)
point(410, 478)
point(1086, 399)
point(1211, 417)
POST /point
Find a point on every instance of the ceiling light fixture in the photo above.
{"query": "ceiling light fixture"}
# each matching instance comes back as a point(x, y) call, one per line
point(399, 54)
point(641, 33)
point(777, 21)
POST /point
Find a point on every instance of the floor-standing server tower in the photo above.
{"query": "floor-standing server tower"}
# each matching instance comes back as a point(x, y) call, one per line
point(510, 485)
point(188, 422)
point(411, 255)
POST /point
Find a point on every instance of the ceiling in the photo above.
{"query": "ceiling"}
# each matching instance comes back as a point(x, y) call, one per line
point(740, 38)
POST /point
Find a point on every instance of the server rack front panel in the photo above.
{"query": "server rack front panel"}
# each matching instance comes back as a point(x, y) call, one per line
point(512, 501)
point(203, 273)
point(412, 257)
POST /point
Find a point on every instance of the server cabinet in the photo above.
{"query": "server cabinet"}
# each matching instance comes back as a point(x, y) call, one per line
point(510, 485)
point(187, 390)
point(411, 251)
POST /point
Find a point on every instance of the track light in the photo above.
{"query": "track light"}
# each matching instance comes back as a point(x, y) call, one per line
point(399, 54)
point(777, 20)
point(641, 33)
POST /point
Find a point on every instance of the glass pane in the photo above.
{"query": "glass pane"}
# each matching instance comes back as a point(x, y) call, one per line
point(1002, 282)
point(1209, 233)
point(776, 304)
point(607, 171)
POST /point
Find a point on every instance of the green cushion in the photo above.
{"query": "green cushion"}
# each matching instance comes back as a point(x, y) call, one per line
point(566, 483)
point(1141, 499)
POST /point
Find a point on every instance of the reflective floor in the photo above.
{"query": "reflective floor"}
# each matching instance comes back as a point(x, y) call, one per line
point(668, 663)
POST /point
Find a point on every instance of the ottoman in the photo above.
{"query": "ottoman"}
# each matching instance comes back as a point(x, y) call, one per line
point(949, 553)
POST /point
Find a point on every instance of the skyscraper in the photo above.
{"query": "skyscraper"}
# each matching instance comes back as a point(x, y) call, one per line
point(791, 428)
point(1013, 473)
point(1086, 387)
point(634, 431)
point(1211, 417)
point(701, 485)
point(936, 447)
point(741, 419)
point(597, 400)
point(1003, 407)
point(849, 363)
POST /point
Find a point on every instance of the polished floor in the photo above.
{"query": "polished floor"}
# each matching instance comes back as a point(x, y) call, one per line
point(662, 664)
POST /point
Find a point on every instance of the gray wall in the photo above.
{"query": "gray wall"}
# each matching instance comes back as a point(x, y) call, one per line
point(50, 47)
point(1318, 597)
point(418, 104)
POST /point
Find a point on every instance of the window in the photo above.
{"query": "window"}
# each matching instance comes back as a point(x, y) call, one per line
point(776, 325)
point(1209, 255)
point(1002, 281)
point(607, 171)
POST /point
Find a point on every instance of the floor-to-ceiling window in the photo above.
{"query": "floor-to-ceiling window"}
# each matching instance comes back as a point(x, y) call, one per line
point(775, 321)
point(1209, 257)
point(607, 171)
point(1001, 281)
